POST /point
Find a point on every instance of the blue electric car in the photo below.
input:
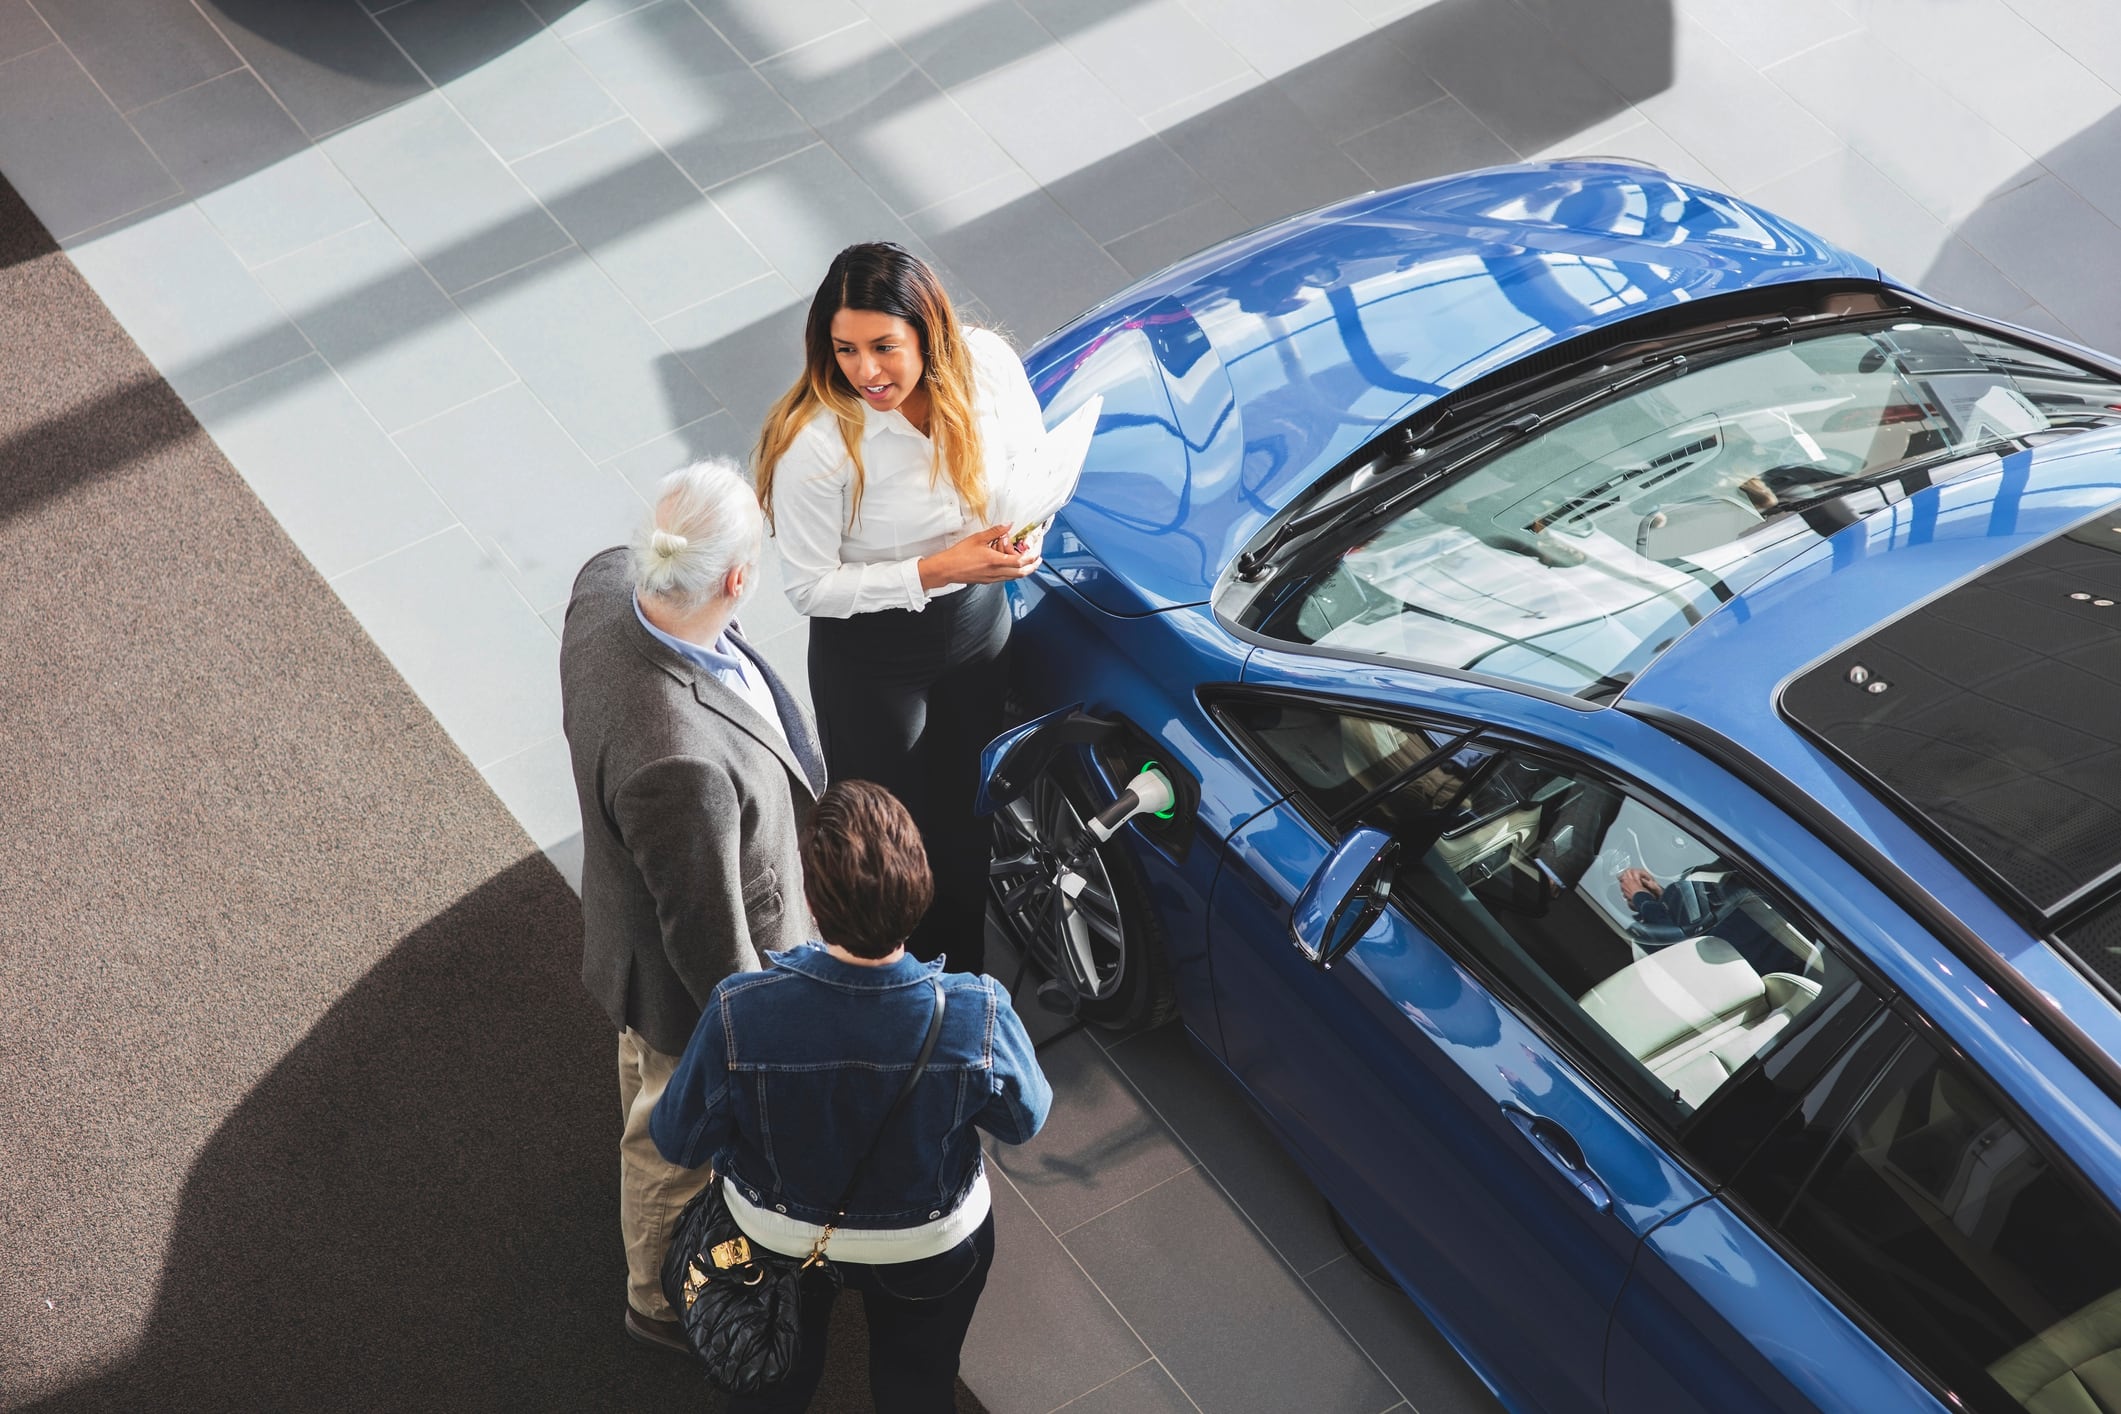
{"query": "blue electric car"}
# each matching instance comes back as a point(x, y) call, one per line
point(1632, 697)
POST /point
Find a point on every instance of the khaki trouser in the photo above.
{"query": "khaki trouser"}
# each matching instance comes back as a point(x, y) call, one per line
point(651, 1192)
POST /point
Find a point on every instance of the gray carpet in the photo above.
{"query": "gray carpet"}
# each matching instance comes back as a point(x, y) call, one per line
point(301, 1104)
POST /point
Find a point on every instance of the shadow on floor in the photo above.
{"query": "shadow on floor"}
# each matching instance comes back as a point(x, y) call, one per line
point(417, 1208)
point(2051, 230)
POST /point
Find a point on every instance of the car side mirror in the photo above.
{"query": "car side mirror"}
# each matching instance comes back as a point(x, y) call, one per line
point(1346, 896)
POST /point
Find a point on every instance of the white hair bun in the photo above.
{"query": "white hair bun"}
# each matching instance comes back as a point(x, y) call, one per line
point(666, 545)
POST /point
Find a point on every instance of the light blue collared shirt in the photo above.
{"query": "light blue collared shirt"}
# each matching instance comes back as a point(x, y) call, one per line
point(725, 663)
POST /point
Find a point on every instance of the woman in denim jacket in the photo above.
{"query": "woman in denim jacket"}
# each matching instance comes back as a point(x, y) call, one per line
point(790, 1072)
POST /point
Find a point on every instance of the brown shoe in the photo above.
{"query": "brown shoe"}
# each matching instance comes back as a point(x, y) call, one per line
point(664, 1335)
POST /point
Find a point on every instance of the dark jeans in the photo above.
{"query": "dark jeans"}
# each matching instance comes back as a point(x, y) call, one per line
point(909, 700)
point(918, 1315)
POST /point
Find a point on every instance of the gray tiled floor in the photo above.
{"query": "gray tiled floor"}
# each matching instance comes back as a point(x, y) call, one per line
point(453, 281)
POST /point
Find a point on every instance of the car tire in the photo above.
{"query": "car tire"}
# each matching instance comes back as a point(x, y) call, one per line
point(1111, 931)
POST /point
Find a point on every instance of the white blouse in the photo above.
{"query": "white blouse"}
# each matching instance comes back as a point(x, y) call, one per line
point(909, 508)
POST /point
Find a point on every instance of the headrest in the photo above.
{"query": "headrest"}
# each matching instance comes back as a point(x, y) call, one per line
point(1673, 993)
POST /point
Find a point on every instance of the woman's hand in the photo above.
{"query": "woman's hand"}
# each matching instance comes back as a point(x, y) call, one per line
point(982, 557)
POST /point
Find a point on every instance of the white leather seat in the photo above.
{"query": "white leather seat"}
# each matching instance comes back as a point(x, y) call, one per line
point(2072, 1367)
point(1696, 1011)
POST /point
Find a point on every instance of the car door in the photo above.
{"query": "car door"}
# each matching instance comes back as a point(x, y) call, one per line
point(1902, 1225)
point(1487, 1083)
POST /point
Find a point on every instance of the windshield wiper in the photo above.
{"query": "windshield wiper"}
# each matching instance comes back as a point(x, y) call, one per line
point(1924, 467)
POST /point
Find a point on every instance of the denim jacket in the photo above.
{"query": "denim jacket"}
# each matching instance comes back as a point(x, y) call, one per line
point(792, 1069)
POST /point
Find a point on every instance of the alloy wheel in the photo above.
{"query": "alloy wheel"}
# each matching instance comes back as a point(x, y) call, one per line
point(1066, 918)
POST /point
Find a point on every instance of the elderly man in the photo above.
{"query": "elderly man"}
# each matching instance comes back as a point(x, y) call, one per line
point(694, 765)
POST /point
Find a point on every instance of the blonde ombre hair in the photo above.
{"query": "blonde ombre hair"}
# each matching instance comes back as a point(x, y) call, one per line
point(887, 279)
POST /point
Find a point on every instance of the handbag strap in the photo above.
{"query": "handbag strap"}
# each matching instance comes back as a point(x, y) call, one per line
point(861, 1165)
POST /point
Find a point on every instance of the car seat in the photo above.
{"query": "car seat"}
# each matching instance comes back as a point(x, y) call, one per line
point(1696, 1011)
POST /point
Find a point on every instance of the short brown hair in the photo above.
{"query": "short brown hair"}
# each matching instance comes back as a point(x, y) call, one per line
point(864, 870)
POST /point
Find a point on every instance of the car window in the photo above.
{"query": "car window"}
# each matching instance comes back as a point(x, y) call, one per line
point(1332, 759)
point(1662, 957)
point(1649, 945)
point(1947, 1222)
point(1574, 557)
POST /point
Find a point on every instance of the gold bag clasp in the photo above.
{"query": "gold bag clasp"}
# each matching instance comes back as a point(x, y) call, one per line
point(733, 1253)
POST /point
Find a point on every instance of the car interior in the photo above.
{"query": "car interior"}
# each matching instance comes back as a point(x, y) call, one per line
point(1616, 923)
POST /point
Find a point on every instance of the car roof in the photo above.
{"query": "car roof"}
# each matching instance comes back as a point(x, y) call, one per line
point(1753, 672)
point(1237, 378)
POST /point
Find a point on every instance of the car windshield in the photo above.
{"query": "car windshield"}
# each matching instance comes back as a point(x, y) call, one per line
point(1572, 559)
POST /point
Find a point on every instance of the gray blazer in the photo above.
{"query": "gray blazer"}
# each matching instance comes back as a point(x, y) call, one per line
point(689, 807)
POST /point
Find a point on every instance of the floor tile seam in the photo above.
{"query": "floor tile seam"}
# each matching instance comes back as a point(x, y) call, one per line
point(294, 318)
point(1182, 110)
point(1245, 64)
point(1149, 134)
point(394, 433)
point(950, 98)
point(655, 142)
point(175, 198)
point(506, 757)
point(2033, 174)
point(1059, 41)
point(412, 544)
point(374, 219)
point(1356, 1341)
point(103, 93)
point(170, 376)
point(634, 9)
point(2064, 51)
point(778, 53)
point(516, 571)
point(1995, 257)
point(1190, 7)
point(1695, 157)
point(1201, 1162)
point(40, 48)
point(1856, 27)
point(1062, 1238)
point(624, 115)
point(1079, 1398)
point(720, 182)
point(1422, 107)
point(243, 63)
point(1627, 105)
point(629, 451)
point(1952, 231)
point(1941, 91)
point(2055, 39)
point(239, 68)
point(511, 571)
point(1158, 1362)
point(1568, 50)
point(493, 152)
point(1841, 144)
point(1062, 1233)
point(771, 274)
point(976, 187)
point(1102, 1295)
point(573, 247)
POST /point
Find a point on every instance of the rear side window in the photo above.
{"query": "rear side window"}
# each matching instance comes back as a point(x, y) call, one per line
point(1950, 1225)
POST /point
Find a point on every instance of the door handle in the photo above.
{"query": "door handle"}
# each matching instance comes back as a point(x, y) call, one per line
point(1560, 1149)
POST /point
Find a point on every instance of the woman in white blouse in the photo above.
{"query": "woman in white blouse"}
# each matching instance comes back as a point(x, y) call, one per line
point(875, 471)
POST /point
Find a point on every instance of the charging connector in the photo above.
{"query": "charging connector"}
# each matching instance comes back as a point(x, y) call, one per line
point(1149, 793)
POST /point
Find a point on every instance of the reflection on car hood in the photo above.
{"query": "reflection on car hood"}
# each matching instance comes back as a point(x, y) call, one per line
point(1234, 380)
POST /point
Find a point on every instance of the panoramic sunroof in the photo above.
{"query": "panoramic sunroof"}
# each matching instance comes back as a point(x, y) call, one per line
point(1992, 714)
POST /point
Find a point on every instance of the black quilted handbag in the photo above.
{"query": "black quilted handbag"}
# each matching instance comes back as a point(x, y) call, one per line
point(741, 1305)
